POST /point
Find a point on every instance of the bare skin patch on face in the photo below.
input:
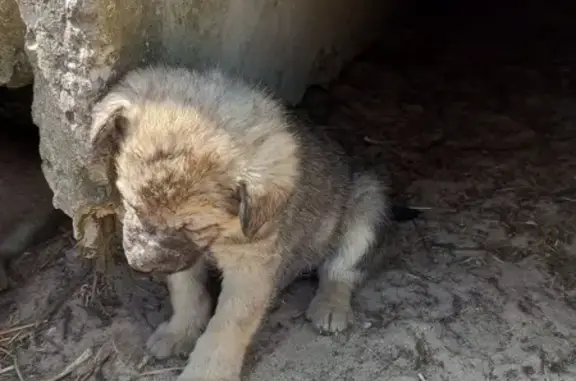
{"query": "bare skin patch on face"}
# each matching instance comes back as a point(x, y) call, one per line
point(150, 249)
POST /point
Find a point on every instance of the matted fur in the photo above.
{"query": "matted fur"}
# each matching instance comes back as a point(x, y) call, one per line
point(214, 171)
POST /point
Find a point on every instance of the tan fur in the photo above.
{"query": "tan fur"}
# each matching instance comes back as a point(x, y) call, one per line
point(213, 171)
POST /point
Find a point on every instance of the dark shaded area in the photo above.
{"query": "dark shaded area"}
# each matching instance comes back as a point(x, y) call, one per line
point(470, 107)
point(16, 123)
point(487, 32)
point(28, 219)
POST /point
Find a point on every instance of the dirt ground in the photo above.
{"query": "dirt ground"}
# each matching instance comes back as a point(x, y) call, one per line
point(477, 128)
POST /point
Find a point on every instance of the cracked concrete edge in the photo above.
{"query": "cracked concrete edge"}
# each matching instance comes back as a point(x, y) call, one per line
point(97, 229)
point(74, 54)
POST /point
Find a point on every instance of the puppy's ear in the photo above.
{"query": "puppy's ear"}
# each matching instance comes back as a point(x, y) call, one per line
point(257, 209)
point(109, 120)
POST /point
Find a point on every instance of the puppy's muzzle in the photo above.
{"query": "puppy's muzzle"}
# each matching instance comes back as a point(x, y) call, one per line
point(173, 265)
point(148, 255)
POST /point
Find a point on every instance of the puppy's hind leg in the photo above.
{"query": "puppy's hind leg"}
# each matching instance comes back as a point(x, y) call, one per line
point(330, 311)
point(192, 307)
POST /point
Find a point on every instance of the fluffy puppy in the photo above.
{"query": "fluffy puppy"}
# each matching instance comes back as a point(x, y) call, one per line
point(213, 171)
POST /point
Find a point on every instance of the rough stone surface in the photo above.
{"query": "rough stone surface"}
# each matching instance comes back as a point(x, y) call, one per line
point(15, 70)
point(78, 47)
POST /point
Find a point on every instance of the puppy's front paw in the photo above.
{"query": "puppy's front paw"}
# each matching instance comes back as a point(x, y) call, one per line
point(193, 372)
point(212, 361)
point(170, 339)
point(330, 316)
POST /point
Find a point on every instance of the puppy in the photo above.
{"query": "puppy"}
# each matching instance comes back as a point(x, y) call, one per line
point(214, 172)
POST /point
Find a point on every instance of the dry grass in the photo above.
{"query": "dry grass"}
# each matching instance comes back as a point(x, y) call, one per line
point(11, 339)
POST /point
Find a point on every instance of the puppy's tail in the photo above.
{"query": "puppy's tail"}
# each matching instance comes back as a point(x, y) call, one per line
point(403, 213)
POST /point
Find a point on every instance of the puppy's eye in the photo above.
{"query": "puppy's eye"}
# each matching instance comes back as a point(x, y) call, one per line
point(207, 229)
point(232, 205)
point(188, 229)
point(182, 229)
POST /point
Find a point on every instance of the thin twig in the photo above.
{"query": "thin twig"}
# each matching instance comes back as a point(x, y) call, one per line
point(100, 358)
point(145, 360)
point(14, 363)
point(9, 339)
point(70, 368)
point(158, 371)
point(9, 368)
point(368, 139)
point(421, 207)
point(20, 328)
point(17, 368)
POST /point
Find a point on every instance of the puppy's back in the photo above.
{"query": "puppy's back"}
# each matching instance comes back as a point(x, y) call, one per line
point(315, 210)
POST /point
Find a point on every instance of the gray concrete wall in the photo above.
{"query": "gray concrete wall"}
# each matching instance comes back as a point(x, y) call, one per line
point(14, 67)
point(76, 47)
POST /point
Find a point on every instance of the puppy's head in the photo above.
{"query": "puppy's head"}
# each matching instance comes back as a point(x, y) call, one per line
point(186, 182)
